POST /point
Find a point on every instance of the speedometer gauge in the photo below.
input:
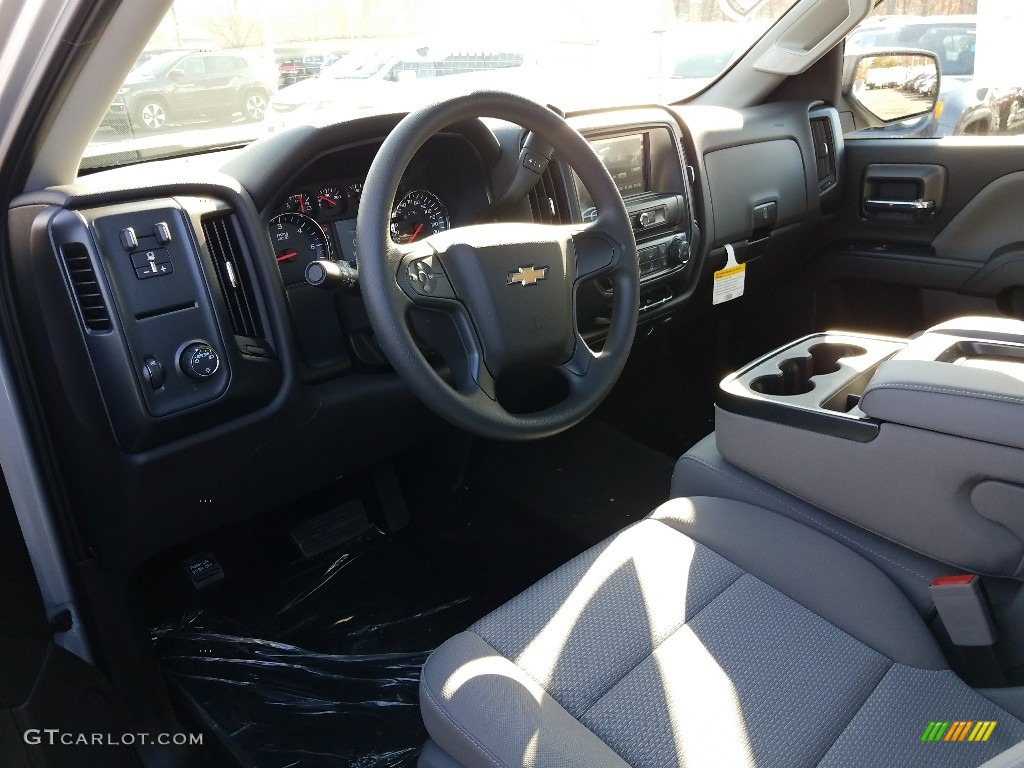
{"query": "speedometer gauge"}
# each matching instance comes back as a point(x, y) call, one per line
point(297, 241)
point(418, 215)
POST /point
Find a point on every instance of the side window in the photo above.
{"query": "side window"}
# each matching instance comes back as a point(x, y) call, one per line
point(193, 66)
point(980, 87)
point(219, 65)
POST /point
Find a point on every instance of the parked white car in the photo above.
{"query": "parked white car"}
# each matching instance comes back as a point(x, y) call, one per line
point(373, 79)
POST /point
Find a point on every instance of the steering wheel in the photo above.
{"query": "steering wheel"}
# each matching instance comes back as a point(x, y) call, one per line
point(508, 289)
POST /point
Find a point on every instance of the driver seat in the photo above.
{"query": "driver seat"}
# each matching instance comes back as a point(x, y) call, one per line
point(712, 633)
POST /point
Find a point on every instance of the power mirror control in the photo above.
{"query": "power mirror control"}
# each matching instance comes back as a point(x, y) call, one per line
point(199, 361)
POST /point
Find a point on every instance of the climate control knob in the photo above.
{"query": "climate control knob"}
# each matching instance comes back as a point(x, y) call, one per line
point(679, 250)
point(199, 361)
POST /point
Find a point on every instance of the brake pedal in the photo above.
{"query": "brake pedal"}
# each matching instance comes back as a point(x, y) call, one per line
point(330, 529)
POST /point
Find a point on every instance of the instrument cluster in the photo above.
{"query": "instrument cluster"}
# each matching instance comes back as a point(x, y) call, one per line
point(320, 223)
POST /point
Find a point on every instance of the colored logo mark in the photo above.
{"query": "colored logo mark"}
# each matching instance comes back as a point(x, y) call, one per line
point(959, 730)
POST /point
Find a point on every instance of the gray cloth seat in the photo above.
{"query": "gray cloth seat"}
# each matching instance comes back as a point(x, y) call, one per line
point(712, 633)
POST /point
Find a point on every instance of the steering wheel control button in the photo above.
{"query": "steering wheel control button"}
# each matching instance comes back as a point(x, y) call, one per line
point(199, 361)
point(162, 232)
point(525, 276)
point(129, 240)
point(427, 277)
point(534, 161)
point(154, 372)
point(154, 263)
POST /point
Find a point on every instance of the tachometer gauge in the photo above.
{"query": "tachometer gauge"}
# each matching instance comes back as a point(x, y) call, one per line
point(332, 200)
point(297, 241)
point(301, 202)
point(418, 215)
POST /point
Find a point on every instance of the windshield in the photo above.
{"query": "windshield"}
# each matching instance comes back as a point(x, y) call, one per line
point(227, 72)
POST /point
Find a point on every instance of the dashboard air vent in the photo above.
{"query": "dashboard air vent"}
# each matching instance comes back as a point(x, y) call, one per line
point(824, 152)
point(547, 200)
point(86, 287)
point(233, 275)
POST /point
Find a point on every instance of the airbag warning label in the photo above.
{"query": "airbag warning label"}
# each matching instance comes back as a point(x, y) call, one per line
point(730, 280)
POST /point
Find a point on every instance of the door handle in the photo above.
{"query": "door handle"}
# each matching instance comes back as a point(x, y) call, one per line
point(899, 206)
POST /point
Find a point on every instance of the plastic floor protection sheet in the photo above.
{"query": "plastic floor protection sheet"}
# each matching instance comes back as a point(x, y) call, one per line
point(317, 664)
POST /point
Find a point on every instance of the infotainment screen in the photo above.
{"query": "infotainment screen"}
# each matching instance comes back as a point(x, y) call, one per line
point(626, 161)
point(625, 157)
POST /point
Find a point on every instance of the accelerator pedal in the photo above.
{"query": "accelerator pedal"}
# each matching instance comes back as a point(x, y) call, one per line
point(330, 529)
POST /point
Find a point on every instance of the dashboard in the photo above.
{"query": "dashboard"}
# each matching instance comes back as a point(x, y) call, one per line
point(170, 302)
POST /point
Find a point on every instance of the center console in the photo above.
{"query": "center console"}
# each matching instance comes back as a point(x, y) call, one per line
point(644, 156)
point(920, 440)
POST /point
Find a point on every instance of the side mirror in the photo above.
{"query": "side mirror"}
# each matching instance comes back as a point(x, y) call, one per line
point(892, 86)
point(176, 75)
point(405, 76)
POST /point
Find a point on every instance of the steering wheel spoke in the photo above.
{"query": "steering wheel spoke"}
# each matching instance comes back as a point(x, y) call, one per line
point(478, 383)
point(581, 363)
point(598, 249)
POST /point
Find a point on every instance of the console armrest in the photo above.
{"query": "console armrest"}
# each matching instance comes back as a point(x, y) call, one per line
point(981, 403)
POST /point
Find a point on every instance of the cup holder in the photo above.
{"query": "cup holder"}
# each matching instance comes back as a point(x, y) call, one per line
point(826, 356)
point(796, 374)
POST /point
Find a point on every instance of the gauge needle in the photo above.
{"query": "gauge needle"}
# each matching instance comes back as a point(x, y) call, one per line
point(287, 256)
point(327, 201)
point(416, 232)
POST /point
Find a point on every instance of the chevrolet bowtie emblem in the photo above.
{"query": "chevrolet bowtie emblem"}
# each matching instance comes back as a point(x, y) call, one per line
point(528, 276)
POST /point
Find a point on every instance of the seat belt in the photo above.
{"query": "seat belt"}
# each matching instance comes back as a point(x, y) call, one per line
point(966, 618)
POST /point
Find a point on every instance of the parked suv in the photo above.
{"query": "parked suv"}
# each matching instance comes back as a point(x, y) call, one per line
point(191, 84)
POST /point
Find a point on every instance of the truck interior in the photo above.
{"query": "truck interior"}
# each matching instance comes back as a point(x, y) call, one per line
point(504, 430)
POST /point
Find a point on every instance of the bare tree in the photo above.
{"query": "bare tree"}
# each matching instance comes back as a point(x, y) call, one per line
point(238, 27)
point(926, 7)
point(711, 10)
